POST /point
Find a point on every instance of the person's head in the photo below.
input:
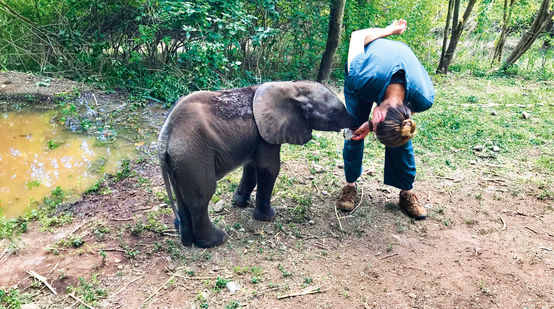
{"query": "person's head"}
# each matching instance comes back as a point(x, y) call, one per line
point(393, 124)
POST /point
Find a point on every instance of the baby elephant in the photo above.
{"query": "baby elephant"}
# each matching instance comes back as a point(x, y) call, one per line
point(208, 134)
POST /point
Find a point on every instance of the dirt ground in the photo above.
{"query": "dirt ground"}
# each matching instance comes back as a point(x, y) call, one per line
point(481, 247)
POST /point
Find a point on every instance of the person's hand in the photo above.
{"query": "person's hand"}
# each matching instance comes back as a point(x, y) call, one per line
point(361, 132)
point(398, 26)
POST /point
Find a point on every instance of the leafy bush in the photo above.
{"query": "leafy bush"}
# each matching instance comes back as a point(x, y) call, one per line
point(164, 49)
point(206, 44)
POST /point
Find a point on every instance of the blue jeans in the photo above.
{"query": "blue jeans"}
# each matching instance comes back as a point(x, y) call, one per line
point(400, 167)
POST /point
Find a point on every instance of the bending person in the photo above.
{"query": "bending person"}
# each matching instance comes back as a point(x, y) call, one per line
point(386, 72)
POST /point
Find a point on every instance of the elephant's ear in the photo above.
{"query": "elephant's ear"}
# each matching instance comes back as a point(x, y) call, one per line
point(280, 114)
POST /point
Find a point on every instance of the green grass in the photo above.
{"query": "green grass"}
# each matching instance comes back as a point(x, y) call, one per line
point(11, 298)
point(461, 119)
point(284, 272)
point(89, 291)
point(53, 144)
point(45, 214)
point(220, 283)
point(96, 187)
point(71, 241)
point(125, 171)
point(32, 184)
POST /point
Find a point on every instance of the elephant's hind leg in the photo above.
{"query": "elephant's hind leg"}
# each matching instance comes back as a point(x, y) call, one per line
point(196, 196)
point(241, 198)
point(184, 221)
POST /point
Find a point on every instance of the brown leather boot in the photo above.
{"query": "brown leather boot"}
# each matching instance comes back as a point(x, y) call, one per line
point(347, 198)
point(409, 202)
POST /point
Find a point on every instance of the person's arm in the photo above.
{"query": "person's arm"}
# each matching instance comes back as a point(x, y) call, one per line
point(360, 38)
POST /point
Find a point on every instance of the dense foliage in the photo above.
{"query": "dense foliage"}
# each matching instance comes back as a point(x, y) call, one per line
point(164, 48)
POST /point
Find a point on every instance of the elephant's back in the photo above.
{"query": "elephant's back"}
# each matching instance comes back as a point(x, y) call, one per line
point(213, 126)
point(226, 104)
point(234, 103)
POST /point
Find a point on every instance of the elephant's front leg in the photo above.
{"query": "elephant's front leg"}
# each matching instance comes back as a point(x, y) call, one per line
point(267, 169)
point(241, 198)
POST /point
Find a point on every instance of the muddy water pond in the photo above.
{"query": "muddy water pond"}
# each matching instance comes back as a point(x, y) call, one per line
point(37, 155)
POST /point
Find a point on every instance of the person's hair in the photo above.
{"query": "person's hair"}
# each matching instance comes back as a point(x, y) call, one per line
point(397, 128)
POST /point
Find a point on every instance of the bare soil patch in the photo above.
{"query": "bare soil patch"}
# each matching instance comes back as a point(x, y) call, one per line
point(381, 260)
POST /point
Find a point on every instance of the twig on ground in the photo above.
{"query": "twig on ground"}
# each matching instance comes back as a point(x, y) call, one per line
point(129, 283)
point(360, 203)
point(503, 223)
point(306, 292)
point(114, 249)
point(198, 278)
point(170, 234)
point(261, 293)
point(344, 217)
point(4, 253)
point(161, 232)
point(277, 233)
point(316, 188)
point(530, 229)
point(159, 289)
point(338, 219)
point(494, 165)
point(309, 236)
point(56, 266)
point(79, 227)
point(447, 178)
point(144, 208)
point(484, 156)
point(43, 280)
point(80, 301)
point(95, 101)
point(122, 219)
point(388, 256)
point(545, 248)
point(499, 181)
point(320, 246)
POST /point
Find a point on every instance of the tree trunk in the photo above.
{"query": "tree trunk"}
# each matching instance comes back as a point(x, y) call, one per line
point(542, 19)
point(457, 29)
point(445, 34)
point(499, 46)
point(333, 38)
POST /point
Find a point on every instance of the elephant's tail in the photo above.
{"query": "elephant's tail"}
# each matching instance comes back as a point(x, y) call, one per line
point(169, 184)
point(165, 165)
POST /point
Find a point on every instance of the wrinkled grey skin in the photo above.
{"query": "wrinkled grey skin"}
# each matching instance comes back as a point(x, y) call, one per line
point(208, 134)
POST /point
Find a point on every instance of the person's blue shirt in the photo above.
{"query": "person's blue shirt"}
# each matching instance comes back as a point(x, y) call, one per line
point(371, 71)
